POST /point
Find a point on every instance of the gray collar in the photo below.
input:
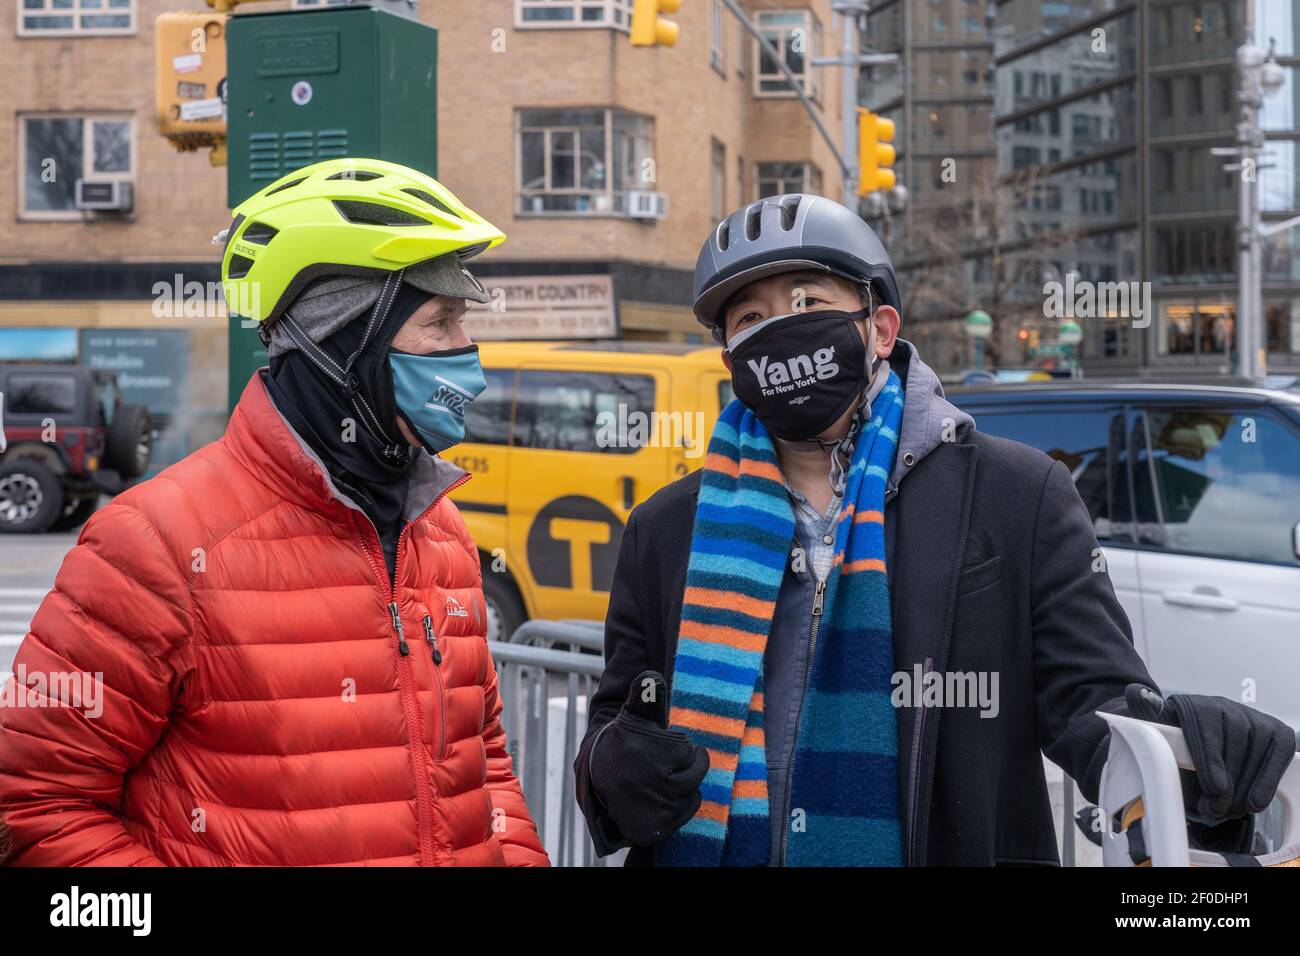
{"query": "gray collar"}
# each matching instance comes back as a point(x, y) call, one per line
point(929, 419)
point(431, 476)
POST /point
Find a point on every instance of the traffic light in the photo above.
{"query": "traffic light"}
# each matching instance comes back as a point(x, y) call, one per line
point(875, 153)
point(190, 81)
point(649, 28)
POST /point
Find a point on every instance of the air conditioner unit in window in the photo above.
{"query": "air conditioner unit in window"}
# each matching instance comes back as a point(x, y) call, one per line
point(112, 194)
point(644, 204)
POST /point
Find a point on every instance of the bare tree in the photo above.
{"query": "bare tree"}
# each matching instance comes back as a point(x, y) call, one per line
point(986, 251)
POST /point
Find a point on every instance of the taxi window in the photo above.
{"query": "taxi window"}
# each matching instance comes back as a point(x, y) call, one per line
point(487, 418)
point(574, 411)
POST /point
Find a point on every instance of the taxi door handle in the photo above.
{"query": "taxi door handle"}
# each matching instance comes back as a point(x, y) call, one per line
point(628, 489)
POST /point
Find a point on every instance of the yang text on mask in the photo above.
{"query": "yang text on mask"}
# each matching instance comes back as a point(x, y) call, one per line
point(798, 371)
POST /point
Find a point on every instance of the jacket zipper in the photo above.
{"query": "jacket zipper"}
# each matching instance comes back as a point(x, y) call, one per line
point(437, 676)
point(402, 647)
point(431, 639)
point(405, 679)
point(914, 773)
point(819, 598)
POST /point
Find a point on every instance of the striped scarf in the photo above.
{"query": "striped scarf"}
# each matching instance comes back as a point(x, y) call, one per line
point(844, 798)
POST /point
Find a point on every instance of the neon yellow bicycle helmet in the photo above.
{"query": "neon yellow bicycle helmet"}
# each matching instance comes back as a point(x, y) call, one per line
point(341, 217)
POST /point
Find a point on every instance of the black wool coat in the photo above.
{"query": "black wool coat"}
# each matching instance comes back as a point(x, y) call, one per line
point(993, 566)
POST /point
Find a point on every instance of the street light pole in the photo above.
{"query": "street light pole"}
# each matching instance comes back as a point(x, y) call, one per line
point(1248, 206)
point(849, 98)
point(850, 60)
point(796, 83)
point(1258, 75)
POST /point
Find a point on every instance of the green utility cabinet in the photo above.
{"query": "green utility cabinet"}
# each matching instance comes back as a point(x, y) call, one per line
point(309, 85)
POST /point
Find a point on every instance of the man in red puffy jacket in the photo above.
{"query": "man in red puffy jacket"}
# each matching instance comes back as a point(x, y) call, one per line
point(274, 652)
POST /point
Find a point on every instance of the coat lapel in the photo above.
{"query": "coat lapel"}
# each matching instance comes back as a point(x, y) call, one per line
point(930, 544)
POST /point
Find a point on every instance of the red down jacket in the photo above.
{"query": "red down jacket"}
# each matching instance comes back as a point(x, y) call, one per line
point(256, 707)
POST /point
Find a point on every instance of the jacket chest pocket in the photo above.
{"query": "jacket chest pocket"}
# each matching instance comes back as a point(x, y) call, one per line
point(980, 575)
point(433, 647)
point(980, 615)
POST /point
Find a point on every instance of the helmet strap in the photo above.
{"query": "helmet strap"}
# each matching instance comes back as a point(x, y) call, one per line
point(342, 375)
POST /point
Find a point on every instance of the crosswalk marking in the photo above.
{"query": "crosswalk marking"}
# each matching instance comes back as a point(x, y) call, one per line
point(17, 607)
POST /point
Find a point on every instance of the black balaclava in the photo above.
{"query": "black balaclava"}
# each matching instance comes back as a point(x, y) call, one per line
point(372, 471)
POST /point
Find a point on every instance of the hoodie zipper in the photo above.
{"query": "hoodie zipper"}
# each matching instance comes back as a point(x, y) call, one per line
point(406, 679)
point(819, 599)
point(914, 772)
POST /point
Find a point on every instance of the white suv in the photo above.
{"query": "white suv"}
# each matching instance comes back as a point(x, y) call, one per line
point(1194, 492)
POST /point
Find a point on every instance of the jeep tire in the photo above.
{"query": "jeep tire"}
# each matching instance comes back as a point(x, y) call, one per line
point(31, 497)
point(129, 438)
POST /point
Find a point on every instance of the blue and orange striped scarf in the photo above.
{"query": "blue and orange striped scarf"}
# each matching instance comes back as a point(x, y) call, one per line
point(844, 798)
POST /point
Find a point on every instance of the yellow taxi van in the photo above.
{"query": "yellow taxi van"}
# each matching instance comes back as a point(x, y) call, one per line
point(564, 441)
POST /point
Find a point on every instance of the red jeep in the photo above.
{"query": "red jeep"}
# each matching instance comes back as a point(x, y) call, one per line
point(67, 439)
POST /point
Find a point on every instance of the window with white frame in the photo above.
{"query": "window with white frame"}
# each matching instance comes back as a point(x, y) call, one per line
point(718, 182)
point(776, 179)
point(718, 36)
point(582, 161)
point(55, 150)
point(573, 13)
point(796, 35)
point(80, 17)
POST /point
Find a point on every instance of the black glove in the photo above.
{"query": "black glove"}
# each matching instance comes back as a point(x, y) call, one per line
point(1240, 753)
point(646, 777)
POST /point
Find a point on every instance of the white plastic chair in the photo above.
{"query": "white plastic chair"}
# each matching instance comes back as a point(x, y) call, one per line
point(1143, 764)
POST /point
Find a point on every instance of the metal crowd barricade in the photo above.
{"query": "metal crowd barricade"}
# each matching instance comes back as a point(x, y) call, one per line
point(554, 666)
point(535, 677)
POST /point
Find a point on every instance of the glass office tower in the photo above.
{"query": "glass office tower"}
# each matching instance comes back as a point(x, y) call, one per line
point(1100, 120)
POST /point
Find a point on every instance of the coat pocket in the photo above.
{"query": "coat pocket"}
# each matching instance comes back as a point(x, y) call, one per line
point(980, 575)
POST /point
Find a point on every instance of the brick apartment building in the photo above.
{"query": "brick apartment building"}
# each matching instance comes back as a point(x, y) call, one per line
point(548, 119)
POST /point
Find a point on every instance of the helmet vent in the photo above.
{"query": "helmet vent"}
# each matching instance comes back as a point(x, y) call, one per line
point(359, 175)
point(432, 200)
point(754, 221)
point(259, 233)
point(239, 266)
point(789, 209)
point(288, 185)
point(376, 214)
point(724, 234)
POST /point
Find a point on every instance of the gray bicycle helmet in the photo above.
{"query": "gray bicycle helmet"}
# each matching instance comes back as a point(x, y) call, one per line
point(781, 233)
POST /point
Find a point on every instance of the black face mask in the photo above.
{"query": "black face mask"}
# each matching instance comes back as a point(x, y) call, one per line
point(799, 373)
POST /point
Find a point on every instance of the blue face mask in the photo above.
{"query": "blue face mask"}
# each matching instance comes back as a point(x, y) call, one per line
point(433, 391)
